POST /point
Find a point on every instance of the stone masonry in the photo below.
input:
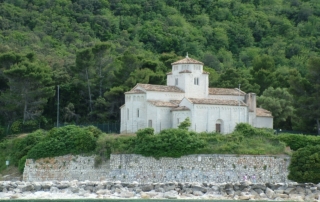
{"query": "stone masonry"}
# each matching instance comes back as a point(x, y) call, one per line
point(215, 168)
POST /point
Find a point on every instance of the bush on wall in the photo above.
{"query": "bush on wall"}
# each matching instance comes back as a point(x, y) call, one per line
point(168, 143)
point(297, 141)
point(305, 165)
point(66, 140)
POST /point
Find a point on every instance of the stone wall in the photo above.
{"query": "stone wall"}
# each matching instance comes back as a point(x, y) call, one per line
point(193, 168)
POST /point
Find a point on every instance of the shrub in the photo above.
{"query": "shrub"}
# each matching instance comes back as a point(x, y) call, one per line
point(16, 127)
point(30, 125)
point(2, 132)
point(107, 144)
point(305, 165)
point(65, 140)
point(168, 143)
point(22, 145)
point(297, 141)
point(184, 125)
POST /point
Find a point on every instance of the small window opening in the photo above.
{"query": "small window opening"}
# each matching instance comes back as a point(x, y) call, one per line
point(196, 81)
point(128, 114)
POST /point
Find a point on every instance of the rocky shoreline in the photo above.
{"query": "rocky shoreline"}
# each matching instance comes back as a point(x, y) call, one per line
point(171, 190)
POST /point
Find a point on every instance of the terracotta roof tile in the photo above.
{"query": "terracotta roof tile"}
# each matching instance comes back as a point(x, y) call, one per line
point(225, 91)
point(187, 60)
point(216, 102)
point(162, 103)
point(263, 112)
point(135, 91)
point(177, 102)
point(182, 108)
point(160, 88)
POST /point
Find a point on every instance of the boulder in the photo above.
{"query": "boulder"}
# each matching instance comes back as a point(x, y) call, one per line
point(198, 188)
point(269, 193)
point(245, 197)
point(259, 191)
point(197, 193)
point(171, 194)
point(15, 196)
point(147, 187)
point(289, 190)
point(127, 194)
point(74, 189)
point(296, 197)
point(37, 186)
point(169, 187)
point(54, 190)
point(25, 188)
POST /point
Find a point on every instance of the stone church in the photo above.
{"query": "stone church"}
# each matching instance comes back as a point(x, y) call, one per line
point(187, 94)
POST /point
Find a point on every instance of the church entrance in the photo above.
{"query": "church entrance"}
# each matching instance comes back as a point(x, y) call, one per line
point(219, 125)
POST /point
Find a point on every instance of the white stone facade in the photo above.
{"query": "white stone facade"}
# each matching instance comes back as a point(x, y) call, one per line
point(187, 94)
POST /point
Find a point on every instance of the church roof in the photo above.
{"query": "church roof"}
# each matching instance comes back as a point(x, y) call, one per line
point(187, 60)
point(182, 108)
point(216, 102)
point(225, 91)
point(177, 102)
point(159, 88)
point(162, 103)
point(185, 71)
point(135, 91)
point(263, 112)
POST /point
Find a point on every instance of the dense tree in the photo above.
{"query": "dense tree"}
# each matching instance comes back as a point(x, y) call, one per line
point(30, 85)
point(263, 71)
point(280, 102)
point(99, 47)
point(307, 94)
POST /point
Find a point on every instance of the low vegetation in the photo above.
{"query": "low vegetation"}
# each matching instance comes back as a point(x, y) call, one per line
point(168, 143)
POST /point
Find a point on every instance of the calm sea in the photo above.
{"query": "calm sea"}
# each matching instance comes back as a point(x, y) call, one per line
point(120, 200)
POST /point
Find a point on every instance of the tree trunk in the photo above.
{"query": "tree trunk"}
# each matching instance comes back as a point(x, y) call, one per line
point(318, 126)
point(25, 111)
point(100, 79)
point(89, 90)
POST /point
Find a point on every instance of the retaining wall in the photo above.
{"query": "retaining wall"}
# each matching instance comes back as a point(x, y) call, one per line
point(192, 168)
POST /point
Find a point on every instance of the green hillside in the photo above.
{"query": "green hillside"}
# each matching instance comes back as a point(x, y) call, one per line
point(95, 50)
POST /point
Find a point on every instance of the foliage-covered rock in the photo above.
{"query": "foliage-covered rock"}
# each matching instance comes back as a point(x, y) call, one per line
point(305, 165)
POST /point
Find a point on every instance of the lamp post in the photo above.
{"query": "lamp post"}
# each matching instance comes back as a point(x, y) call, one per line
point(58, 108)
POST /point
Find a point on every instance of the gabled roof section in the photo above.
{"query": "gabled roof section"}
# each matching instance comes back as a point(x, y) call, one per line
point(216, 102)
point(182, 108)
point(187, 60)
point(263, 112)
point(225, 91)
point(158, 103)
point(159, 88)
point(135, 91)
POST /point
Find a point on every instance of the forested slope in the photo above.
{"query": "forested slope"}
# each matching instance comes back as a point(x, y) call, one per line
point(95, 50)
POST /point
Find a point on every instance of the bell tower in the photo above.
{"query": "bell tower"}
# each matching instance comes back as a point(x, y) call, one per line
point(188, 75)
